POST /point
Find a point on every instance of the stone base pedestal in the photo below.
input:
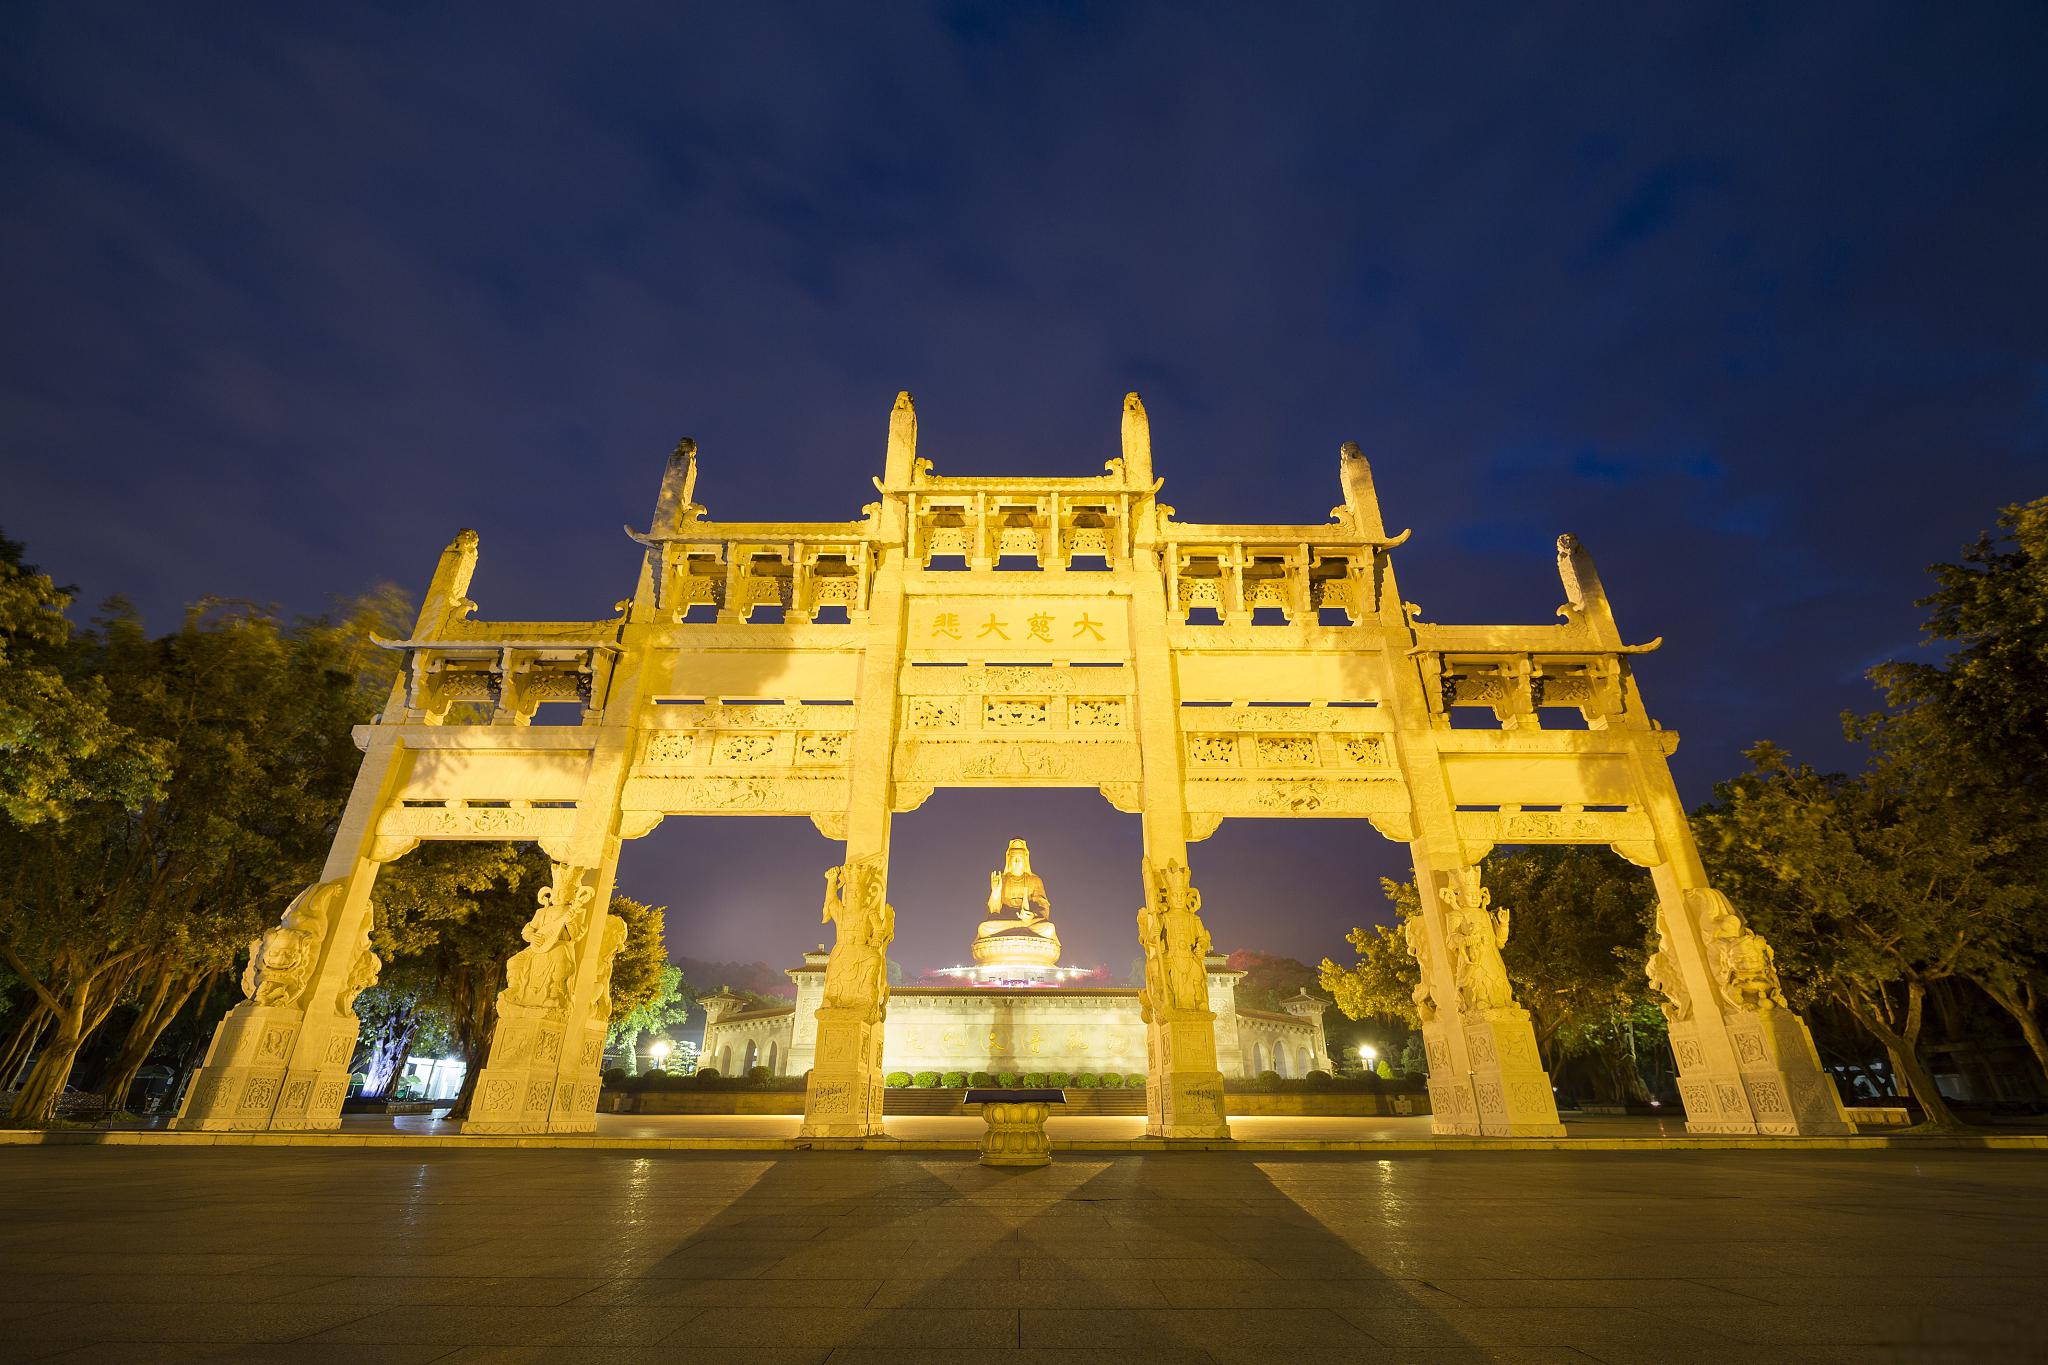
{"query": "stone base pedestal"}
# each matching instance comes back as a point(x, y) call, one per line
point(1016, 1134)
point(1505, 1091)
point(844, 1098)
point(1183, 1088)
point(270, 1068)
point(516, 1092)
point(1778, 1088)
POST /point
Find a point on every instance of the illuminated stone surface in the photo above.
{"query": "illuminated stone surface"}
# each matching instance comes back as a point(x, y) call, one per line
point(154, 1256)
point(1191, 673)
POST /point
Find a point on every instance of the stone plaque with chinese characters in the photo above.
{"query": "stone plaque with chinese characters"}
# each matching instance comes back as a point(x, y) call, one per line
point(1018, 627)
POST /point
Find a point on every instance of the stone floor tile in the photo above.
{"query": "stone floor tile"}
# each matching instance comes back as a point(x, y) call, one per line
point(902, 1327)
point(753, 1293)
point(1140, 1353)
point(243, 1353)
point(1559, 1293)
point(392, 1291)
point(41, 1289)
point(77, 1324)
point(509, 1325)
point(632, 1355)
point(1275, 1328)
point(1071, 1293)
point(1878, 1323)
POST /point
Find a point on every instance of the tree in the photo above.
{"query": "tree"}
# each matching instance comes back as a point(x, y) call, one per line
point(252, 718)
point(667, 1007)
point(645, 984)
point(1381, 983)
point(1870, 894)
point(60, 749)
point(1969, 736)
point(1989, 696)
point(451, 912)
point(1268, 979)
point(1582, 923)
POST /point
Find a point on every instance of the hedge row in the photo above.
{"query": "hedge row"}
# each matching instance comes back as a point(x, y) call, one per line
point(705, 1078)
point(1324, 1083)
point(1012, 1080)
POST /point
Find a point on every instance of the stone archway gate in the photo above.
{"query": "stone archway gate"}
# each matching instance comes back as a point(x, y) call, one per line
point(1081, 668)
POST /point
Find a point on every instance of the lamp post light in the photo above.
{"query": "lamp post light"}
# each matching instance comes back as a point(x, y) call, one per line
point(1367, 1053)
point(657, 1052)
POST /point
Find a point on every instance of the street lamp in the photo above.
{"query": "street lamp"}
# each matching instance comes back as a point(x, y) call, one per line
point(1367, 1053)
point(657, 1052)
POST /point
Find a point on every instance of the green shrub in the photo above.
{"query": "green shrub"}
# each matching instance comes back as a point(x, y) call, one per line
point(981, 1080)
point(953, 1080)
point(1085, 1080)
point(1007, 1079)
point(1134, 1081)
point(1268, 1080)
point(707, 1073)
point(1034, 1080)
point(760, 1074)
point(926, 1080)
point(1320, 1077)
point(896, 1080)
point(615, 1075)
point(1058, 1080)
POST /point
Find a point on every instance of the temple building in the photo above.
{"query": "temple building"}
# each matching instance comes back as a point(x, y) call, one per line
point(1016, 1010)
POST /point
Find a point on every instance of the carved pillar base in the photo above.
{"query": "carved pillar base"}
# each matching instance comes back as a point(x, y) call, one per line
point(246, 1084)
point(1506, 1093)
point(1779, 1087)
point(1016, 1134)
point(844, 1098)
point(1183, 1088)
point(516, 1092)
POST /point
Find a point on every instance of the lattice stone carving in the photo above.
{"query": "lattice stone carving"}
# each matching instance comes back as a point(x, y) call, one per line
point(933, 713)
point(1363, 751)
point(1212, 750)
point(826, 746)
point(1095, 713)
point(745, 748)
point(1014, 713)
point(1287, 751)
point(674, 746)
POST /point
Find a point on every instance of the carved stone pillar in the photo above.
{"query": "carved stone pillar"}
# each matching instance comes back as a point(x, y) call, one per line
point(844, 1097)
point(1746, 1063)
point(1183, 1085)
point(1485, 1077)
point(279, 1060)
point(541, 1075)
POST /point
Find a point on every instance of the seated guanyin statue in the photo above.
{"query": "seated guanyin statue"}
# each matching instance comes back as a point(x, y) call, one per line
point(1018, 930)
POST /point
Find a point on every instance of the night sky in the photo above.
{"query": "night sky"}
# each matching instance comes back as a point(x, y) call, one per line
point(1749, 297)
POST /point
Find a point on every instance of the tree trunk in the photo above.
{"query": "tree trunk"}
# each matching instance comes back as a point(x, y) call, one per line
point(1903, 1043)
point(21, 1045)
point(172, 990)
point(476, 1017)
point(631, 1039)
point(37, 1102)
point(389, 1051)
point(2017, 999)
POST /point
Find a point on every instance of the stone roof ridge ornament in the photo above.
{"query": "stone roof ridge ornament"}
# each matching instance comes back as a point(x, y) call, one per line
point(1137, 443)
point(1360, 511)
point(675, 506)
point(901, 462)
point(447, 600)
point(1586, 600)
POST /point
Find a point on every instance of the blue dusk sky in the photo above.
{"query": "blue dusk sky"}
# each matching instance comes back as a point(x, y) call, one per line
point(1750, 297)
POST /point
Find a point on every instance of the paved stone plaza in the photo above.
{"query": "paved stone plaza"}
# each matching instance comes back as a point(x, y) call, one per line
point(133, 1254)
